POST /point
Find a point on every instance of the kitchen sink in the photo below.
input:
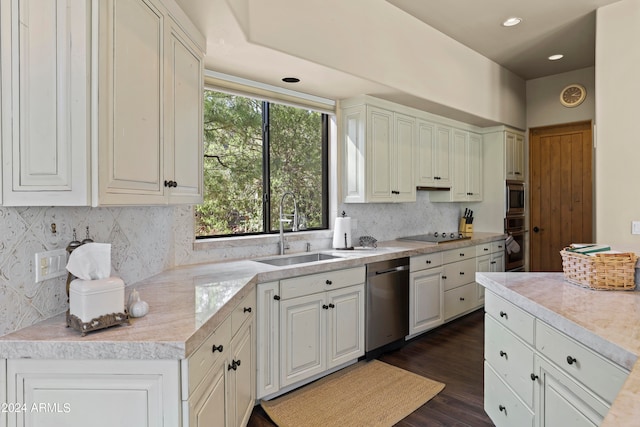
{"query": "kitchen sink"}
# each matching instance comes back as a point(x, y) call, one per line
point(285, 260)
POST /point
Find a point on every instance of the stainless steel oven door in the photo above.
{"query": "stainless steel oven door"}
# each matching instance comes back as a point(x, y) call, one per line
point(515, 260)
point(515, 198)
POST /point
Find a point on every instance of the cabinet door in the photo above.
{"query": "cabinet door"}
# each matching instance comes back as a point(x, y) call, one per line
point(302, 338)
point(483, 263)
point(426, 307)
point(353, 133)
point(131, 102)
point(268, 338)
point(403, 185)
point(460, 172)
point(45, 78)
point(183, 131)
point(380, 152)
point(345, 329)
point(474, 168)
point(241, 376)
point(443, 159)
point(425, 153)
point(563, 402)
point(102, 393)
point(207, 406)
point(518, 158)
point(497, 262)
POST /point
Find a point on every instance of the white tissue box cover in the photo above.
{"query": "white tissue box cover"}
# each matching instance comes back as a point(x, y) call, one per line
point(89, 299)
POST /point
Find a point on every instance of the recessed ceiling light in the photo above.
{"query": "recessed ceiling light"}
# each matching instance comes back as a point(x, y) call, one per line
point(556, 57)
point(291, 80)
point(510, 22)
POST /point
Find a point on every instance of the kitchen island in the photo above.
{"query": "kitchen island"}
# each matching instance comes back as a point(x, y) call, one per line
point(164, 365)
point(605, 322)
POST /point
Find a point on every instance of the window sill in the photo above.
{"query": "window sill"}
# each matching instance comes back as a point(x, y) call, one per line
point(261, 240)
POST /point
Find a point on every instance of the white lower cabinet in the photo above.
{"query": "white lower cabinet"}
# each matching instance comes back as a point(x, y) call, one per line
point(458, 274)
point(489, 258)
point(536, 375)
point(307, 326)
point(100, 393)
point(426, 293)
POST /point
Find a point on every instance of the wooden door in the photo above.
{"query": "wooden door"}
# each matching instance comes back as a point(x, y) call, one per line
point(561, 192)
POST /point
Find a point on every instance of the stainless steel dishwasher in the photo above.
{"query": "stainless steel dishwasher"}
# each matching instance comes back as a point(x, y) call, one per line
point(387, 305)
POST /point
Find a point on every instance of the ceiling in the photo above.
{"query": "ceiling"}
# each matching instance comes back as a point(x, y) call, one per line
point(549, 26)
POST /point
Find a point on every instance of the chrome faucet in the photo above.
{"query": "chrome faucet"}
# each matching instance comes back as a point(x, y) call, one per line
point(283, 219)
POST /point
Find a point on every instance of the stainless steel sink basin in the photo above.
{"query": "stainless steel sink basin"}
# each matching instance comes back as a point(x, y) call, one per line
point(296, 259)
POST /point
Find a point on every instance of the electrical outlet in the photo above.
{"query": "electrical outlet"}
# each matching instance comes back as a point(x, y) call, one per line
point(635, 227)
point(50, 264)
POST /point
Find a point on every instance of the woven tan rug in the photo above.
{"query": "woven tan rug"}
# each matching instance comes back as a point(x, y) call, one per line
point(365, 394)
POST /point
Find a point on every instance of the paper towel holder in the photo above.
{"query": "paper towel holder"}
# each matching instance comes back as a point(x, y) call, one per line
point(346, 246)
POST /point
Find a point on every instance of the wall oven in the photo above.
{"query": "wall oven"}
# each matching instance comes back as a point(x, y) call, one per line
point(514, 226)
point(515, 199)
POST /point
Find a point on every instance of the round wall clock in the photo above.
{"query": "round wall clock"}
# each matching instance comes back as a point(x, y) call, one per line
point(573, 95)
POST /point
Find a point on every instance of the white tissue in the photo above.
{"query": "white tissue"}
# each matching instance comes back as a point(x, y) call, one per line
point(91, 261)
point(342, 226)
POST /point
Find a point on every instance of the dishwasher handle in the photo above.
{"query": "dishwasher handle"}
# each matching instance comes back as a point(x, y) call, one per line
point(393, 270)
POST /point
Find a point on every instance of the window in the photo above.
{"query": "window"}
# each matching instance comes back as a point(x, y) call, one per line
point(255, 151)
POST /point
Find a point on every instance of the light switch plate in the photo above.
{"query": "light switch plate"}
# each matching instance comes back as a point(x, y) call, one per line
point(635, 227)
point(50, 264)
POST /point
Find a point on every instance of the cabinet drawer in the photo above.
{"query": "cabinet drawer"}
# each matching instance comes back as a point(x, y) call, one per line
point(204, 358)
point(313, 283)
point(501, 404)
point(497, 246)
point(510, 357)
point(459, 300)
point(458, 254)
point(484, 249)
point(458, 273)
point(516, 320)
point(423, 262)
point(600, 375)
point(243, 311)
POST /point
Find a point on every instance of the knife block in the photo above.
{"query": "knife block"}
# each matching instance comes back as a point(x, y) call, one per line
point(464, 227)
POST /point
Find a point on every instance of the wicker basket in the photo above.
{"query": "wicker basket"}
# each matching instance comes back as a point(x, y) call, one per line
point(613, 272)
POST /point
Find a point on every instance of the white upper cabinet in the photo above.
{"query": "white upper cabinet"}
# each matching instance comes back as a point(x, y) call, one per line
point(149, 106)
point(434, 155)
point(514, 156)
point(378, 146)
point(467, 178)
point(45, 63)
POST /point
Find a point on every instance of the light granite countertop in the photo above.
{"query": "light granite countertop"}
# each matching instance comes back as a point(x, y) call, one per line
point(607, 322)
point(186, 304)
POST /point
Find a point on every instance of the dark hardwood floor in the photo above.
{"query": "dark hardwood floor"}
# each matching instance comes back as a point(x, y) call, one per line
point(452, 354)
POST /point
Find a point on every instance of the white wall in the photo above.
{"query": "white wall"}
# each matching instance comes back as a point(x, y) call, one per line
point(617, 117)
point(377, 41)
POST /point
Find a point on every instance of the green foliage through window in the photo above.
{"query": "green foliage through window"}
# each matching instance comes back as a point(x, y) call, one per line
point(255, 151)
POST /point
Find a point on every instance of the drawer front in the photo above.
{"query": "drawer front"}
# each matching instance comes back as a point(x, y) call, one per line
point(459, 300)
point(204, 358)
point(516, 320)
point(321, 282)
point(510, 357)
point(458, 273)
point(501, 404)
point(243, 311)
point(458, 254)
point(423, 262)
point(497, 246)
point(603, 377)
point(484, 249)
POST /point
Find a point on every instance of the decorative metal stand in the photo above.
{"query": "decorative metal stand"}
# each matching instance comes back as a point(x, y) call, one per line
point(104, 321)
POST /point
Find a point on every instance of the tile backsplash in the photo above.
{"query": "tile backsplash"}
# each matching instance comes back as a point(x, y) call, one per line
point(147, 240)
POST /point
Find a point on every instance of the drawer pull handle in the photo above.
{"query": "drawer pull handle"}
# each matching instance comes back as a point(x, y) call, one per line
point(486, 249)
point(461, 298)
point(246, 310)
point(462, 273)
point(276, 297)
point(571, 360)
point(217, 348)
point(503, 314)
point(534, 377)
point(444, 277)
point(502, 409)
point(503, 354)
point(462, 254)
point(428, 261)
point(329, 282)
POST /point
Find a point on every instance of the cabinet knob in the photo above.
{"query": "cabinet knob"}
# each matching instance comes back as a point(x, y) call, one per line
point(329, 282)
point(486, 249)
point(534, 377)
point(503, 354)
point(276, 297)
point(503, 314)
point(234, 365)
point(325, 307)
point(217, 348)
point(332, 306)
point(246, 310)
point(444, 277)
point(571, 360)
point(170, 184)
point(462, 273)
point(428, 261)
point(461, 254)
point(492, 262)
point(502, 409)
point(461, 298)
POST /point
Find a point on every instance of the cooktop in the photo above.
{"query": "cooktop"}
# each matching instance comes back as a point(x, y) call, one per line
point(436, 237)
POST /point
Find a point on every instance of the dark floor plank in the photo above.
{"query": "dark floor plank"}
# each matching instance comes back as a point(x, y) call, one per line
point(452, 354)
